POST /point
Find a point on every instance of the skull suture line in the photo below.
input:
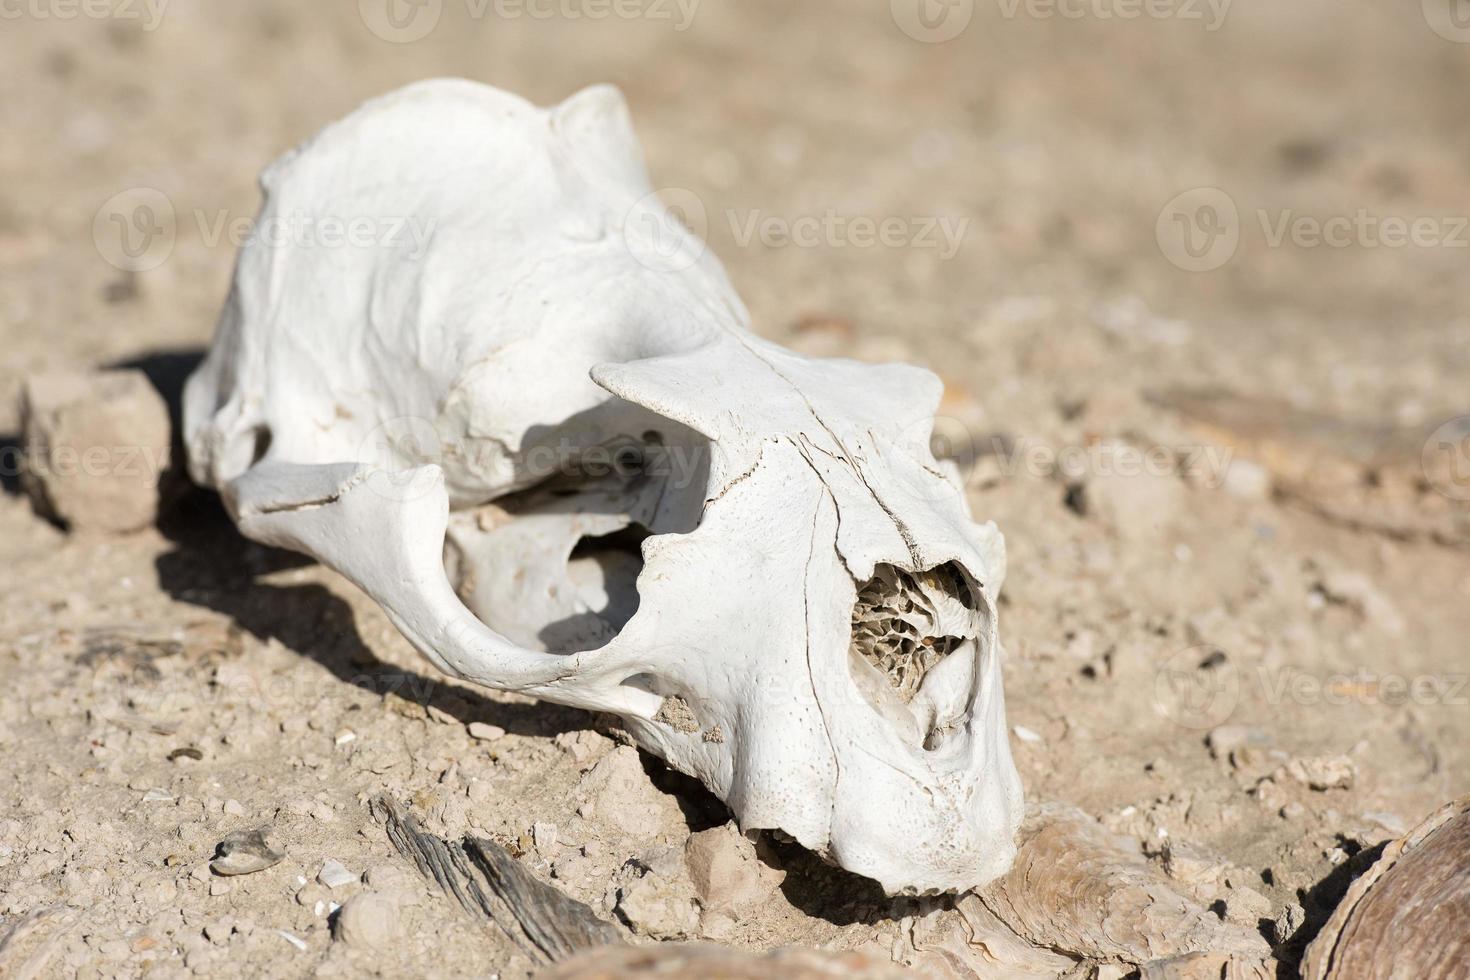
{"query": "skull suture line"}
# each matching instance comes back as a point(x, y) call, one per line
point(539, 432)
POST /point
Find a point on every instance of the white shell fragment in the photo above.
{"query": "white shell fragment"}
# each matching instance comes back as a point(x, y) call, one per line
point(535, 426)
point(334, 874)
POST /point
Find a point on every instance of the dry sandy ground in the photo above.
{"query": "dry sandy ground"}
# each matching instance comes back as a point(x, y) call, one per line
point(1325, 589)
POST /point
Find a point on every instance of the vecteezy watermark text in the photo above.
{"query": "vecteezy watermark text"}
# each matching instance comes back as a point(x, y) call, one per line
point(149, 12)
point(989, 456)
point(937, 21)
point(1210, 13)
point(833, 230)
point(143, 464)
point(667, 230)
point(1200, 687)
point(406, 21)
point(303, 230)
point(1201, 229)
point(137, 229)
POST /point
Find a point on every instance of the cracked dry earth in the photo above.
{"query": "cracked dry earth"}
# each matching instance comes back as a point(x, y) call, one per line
point(1247, 658)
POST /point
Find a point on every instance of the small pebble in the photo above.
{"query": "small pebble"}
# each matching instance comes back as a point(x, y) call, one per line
point(1026, 734)
point(245, 852)
point(1229, 738)
point(483, 732)
point(1291, 918)
point(368, 921)
point(1323, 772)
point(1247, 480)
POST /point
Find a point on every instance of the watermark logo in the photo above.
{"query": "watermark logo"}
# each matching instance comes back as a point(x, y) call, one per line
point(1197, 687)
point(666, 230)
point(1446, 458)
point(401, 21)
point(135, 230)
point(1199, 230)
point(949, 442)
point(1450, 19)
point(932, 21)
point(299, 229)
point(394, 453)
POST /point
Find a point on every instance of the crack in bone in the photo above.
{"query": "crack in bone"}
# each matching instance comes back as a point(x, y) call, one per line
point(905, 623)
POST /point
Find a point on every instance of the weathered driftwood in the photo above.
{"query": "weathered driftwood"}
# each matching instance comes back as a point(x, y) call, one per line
point(1077, 888)
point(26, 947)
point(1079, 897)
point(1408, 916)
point(490, 884)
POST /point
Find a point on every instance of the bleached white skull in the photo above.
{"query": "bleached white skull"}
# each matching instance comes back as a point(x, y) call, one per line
point(487, 377)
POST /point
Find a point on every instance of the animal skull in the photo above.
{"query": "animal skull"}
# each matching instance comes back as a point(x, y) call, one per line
point(539, 432)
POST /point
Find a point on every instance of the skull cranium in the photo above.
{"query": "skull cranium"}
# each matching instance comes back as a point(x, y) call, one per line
point(540, 434)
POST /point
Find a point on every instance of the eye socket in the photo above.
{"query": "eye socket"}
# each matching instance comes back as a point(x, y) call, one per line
point(556, 566)
point(604, 570)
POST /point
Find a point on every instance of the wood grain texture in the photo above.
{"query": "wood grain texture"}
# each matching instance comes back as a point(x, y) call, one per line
point(1408, 916)
point(490, 884)
point(1077, 889)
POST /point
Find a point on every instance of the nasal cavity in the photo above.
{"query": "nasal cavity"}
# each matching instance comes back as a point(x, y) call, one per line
point(905, 623)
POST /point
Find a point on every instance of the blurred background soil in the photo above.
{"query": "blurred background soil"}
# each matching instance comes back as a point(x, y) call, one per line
point(1202, 654)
